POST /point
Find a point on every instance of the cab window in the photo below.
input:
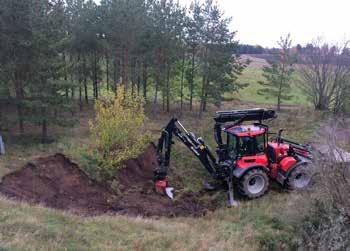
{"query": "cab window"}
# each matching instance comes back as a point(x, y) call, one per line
point(260, 141)
point(231, 143)
point(251, 145)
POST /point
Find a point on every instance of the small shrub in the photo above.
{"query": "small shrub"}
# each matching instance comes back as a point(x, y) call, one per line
point(117, 132)
point(327, 226)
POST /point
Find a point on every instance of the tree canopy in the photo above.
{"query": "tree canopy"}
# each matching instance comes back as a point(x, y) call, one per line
point(59, 54)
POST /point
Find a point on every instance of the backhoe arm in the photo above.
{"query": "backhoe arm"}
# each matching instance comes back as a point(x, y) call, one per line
point(195, 145)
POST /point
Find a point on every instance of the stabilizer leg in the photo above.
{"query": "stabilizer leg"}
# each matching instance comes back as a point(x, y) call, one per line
point(231, 200)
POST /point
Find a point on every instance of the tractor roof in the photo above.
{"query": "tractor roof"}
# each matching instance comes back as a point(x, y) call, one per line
point(239, 116)
point(246, 130)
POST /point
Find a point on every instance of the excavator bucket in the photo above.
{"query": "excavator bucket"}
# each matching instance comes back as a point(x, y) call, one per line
point(169, 191)
point(162, 187)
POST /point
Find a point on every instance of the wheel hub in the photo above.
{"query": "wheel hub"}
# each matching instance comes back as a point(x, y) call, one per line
point(256, 184)
point(301, 180)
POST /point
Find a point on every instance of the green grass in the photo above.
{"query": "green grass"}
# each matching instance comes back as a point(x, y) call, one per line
point(251, 75)
point(252, 226)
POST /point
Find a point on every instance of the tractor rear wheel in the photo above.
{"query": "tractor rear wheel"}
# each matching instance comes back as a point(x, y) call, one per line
point(254, 184)
point(299, 178)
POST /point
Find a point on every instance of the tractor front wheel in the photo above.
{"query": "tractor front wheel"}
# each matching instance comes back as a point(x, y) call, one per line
point(254, 184)
point(299, 178)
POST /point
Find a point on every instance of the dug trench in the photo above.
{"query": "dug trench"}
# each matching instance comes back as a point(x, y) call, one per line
point(57, 182)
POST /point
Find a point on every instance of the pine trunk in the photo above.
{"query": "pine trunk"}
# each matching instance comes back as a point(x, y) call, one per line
point(144, 80)
point(19, 99)
point(114, 76)
point(133, 74)
point(73, 88)
point(20, 115)
point(158, 75)
point(163, 99)
point(201, 107)
point(80, 85)
point(205, 80)
point(95, 84)
point(125, 76)
point(44, 134)
point(205, 102)
point(85, 81)
point(65, 74)
point(168, 90)
point(138, 81)
point(192, 79)
point(156, 91)
point(182, 82)
point(107, 71)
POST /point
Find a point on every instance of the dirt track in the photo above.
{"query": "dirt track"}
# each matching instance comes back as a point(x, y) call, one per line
point(56, 182)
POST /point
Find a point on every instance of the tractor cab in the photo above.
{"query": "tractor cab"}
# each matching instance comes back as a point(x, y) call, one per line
point(238, 140)
point(246, 140)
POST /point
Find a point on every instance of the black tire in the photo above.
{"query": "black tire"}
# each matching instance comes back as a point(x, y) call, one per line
point(254, 184)
point(300, 178)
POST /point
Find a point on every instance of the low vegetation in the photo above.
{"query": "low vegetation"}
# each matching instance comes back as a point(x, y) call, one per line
point(117, 131)
point(326, 225)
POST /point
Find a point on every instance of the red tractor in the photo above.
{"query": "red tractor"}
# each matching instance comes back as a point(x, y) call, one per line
point(245, 156)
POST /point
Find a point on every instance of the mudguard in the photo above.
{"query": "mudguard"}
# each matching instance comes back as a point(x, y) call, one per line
point(240, 172)
point(282, 176)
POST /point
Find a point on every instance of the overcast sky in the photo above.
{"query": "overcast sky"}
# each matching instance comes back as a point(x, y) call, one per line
point(264, 21)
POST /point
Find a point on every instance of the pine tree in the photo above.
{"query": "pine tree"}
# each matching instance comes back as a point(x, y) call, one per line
point(16, 51)
point(219, 64)
point(45, 99)
point(194, 25)
point(52, 50)
point(278, 74)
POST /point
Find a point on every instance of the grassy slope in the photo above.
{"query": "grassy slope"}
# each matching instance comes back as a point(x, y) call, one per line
point(248, 227)
point(267, 223)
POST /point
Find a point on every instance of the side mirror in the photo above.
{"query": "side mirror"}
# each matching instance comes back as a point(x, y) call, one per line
point(279, 138)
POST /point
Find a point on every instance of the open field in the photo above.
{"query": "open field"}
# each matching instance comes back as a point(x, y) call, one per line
point(253, 74)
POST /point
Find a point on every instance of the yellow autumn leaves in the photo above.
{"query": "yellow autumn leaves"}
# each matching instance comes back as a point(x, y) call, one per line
point(117, 131)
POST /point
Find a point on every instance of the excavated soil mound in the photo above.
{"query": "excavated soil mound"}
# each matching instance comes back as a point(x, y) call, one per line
point(56, 182)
